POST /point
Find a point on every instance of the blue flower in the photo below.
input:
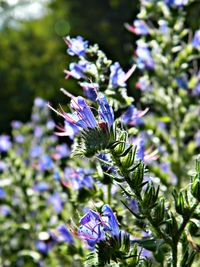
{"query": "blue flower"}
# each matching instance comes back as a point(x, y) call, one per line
point(197, 138)
point(78, 178)
point(133, 116)
point(61, 234)
point(56, 201)
point(176, 3)
point(83, 114)
point(41, 186)
point(5, 143)
point(140, 27)
point(182, 82)
point(91, 229)
point(35, 151)
point(144, 59)
point(45, 163)
point(43, 247)
point(90, 90)
point(2, 193)
point(105, 111)
point(39, 102)
point(77, 69)
point(62, 151)
point(117, 76)
point(112, 226)
point(77, 46)
point(196, 39)
point(143, 84)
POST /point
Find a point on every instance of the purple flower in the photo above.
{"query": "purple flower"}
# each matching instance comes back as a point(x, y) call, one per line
point(35, 151)
point(132, 116)
point(41, 186)
point(19, 138)
point(77, 69)
point(143, 84)
point(117, 76)
point(70, 129)
point(61, 234)
point(78, 178)
point(106, 167)
point(5, 143)
point(2, 193)
point(196, 39)
point(182, 82)
point(16, 124)
point(140, 27)
point(77, 46)
point(112, 225)
point(56, 202)
point(50, 125)
point(62, 151)
point(39, 102)
point(38, 131)
point(3, 166)
point(95, 226)
point(90, 90)
point(105, 111)
point(163, 26)
point(197, 138)
point(144, 58)
point(45, 163)
point(5, 210)
point(91, 229)
point(83, 114)
point(176, 3)
point(82, 117)
point(43, 246)
point(133, 205)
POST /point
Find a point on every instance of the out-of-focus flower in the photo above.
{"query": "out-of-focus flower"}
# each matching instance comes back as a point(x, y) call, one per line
point(197, 138)
point(182, 82)
point(143, 84)
point(5, 143)
point(45, 162)
point(77, 46)
point(16, 124)
point(19, 138)
point(196, 39)
point(39, 102)
point(144, 58)
point(38, 131)
point(41, 186)
point(50, 125)
point(90, 90)
point(2, 193)
point(196, 89)
point(133, 116)
point(147, 155)
point(139, 27)
point(5, 210)
point(3, 165)
point(163, 26)
point(43, 246)
point(61, 234)
point(117, 76)
point(78, 178)
point(61, 151)
point(176, 3)
point(56, 201)
point(35, 151)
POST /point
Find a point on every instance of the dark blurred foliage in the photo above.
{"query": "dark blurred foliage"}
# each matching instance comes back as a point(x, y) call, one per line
point(33, 54)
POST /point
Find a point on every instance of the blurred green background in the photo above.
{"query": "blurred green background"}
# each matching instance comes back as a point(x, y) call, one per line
point(33, 54)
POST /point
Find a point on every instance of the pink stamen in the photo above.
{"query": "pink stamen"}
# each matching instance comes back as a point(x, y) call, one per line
point(129, 73)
